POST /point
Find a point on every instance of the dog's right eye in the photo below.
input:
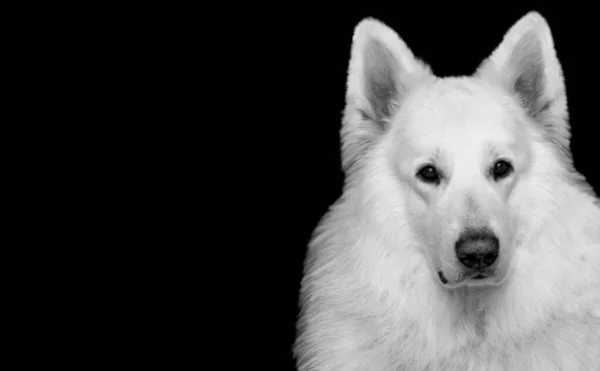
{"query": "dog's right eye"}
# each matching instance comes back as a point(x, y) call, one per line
point(429, 174)
point(501, 169)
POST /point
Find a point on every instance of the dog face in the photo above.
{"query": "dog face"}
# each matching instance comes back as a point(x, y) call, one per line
point(459, 150)
point(458, 147)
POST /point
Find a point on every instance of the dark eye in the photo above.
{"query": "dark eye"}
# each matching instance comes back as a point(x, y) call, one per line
point(429, 174)
point(501, 169)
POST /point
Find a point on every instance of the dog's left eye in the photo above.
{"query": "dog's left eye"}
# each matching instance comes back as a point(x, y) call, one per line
point(501, 169)
point(429, 174)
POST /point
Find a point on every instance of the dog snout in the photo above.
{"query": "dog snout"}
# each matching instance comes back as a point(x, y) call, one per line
point(477, 249)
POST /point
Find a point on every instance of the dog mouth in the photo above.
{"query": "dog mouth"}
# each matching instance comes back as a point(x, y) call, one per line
point(476, 278)
point(442, 277)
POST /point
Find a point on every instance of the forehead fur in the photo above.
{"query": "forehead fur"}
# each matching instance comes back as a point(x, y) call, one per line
point(460, 108)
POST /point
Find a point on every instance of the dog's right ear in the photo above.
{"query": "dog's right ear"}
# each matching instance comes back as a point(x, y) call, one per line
point(381, 73)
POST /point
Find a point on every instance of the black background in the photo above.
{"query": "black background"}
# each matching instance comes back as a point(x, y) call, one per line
point(305, 60)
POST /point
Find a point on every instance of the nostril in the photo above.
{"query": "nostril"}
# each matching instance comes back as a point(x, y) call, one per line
point(490, 258)
point(477, 249)
point(479, 258)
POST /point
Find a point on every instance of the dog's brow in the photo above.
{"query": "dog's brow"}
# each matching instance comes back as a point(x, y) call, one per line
point(436, 156)
point(492, 151)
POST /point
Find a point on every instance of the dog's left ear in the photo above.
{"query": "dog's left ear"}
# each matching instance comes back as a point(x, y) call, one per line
point(526, 65)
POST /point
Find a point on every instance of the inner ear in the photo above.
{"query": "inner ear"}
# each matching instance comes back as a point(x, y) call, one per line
point(380, 80)
point(528, 73)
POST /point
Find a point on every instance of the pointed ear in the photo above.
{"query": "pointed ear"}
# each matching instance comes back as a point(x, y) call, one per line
point(525, 64)
point(381, 73)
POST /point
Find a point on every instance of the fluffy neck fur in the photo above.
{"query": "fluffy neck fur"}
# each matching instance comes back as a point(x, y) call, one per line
point(398, 274)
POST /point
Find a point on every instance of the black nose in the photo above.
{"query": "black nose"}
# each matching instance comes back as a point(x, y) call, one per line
point(477, 248)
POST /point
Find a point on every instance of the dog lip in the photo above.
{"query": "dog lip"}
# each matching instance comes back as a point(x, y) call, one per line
point(442, 278)
point(478, 276)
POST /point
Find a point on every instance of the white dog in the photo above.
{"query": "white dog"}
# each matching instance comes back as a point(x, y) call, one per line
point(464, 239)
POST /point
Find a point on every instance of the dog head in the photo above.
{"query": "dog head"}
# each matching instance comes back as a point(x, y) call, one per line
point(457, 151)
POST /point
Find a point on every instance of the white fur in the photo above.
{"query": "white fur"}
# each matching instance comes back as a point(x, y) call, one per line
point(371, 297)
